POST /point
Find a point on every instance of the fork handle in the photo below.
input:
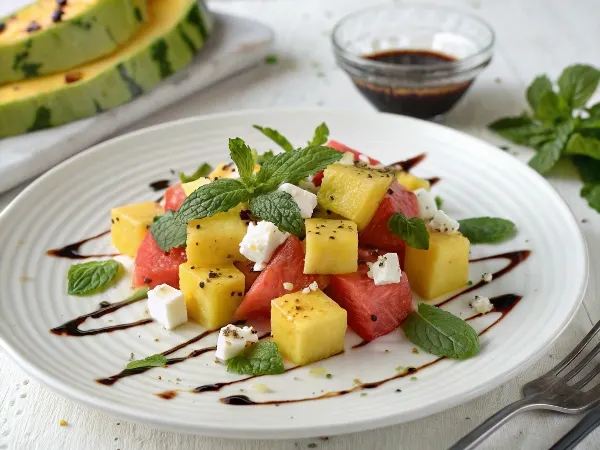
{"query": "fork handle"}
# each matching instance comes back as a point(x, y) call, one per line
point(475, 437)
point(585, 426)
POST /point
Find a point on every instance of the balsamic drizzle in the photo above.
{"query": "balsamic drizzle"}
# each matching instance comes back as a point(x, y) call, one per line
point(71, 328)
point(159, 185)
point(408, 164)
point(72, 251)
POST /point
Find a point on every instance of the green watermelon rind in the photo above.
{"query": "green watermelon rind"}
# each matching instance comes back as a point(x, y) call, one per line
point(95, 32)
point(121, 83)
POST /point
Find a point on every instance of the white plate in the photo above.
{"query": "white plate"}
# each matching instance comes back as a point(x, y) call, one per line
point(72, 202)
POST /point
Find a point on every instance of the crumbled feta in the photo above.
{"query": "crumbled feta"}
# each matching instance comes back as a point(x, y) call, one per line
point(442, 223)
point(288, 286)
point(481, 304)
point(364, 158)
point(260, 242)
point(386, 270)
point(233, 340)
point(487, 277)
point(167, 306)
point(347, 159)
point(427, 205)
point(313, 286)
point(306, 201)
point(306, 290)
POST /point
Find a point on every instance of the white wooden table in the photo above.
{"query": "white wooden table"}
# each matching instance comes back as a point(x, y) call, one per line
point(533, 36)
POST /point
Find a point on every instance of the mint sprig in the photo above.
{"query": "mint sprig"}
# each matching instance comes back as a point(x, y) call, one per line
point(151, 361)
point(413, 231)
point(559, 124)
point(321, 135)
point(486, 230)
point(276, 137)
point(262, 358)
point(440, 333)
point(91, 277)
point(280, 208)
point(169, 230)
point(241, 155)
point(202, 171)
point(589, 169)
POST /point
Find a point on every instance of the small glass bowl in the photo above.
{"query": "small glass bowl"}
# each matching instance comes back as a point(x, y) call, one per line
point(462, 42)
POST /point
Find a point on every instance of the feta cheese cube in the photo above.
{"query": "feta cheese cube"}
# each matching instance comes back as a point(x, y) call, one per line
point(347, 159)
point(167, 306)
point(260, 242)
point(481, 304)
point(442, 223)
point(306, 201)
point(487, 277)
point(427, 205)
point(386, 270)
point(233, 340)
point(288, 286)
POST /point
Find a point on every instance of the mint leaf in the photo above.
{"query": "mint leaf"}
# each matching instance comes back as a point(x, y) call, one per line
point(168, 231)
point(151, 361)
point(200, 172)
point(413, 231)
point(551, 108)
point(589, 169)
point(219, 196)
point(293, 166)
point(579, 145)
point(578, 83)
point(321, 135)
point(440, 333)
point(522, 130)
point(486, 230)
point(594, 111)
point(279, 208)
point(537, 89)
point(551, 151)
point(262, 358)
point(91, 277)
point(241, 155)
point(591, 192)
point(261, 159)
point(439, 201)
point(276, 137)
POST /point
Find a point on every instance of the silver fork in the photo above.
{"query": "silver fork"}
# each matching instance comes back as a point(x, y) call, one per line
point(550, 391)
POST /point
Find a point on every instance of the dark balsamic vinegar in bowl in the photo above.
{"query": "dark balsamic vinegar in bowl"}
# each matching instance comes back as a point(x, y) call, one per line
point(424, 102)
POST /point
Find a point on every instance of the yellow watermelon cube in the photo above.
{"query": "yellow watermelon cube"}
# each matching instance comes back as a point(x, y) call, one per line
point(331, 246)
point(130, 224)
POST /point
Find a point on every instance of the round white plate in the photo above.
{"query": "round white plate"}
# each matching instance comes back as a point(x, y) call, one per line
point(73, 200)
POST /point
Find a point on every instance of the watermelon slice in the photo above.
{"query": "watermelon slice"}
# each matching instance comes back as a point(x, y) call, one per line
point(286, 266)
point(318, 177)
point(153, 266)
point(377, 233)
point(372, 310)
point(174, 197)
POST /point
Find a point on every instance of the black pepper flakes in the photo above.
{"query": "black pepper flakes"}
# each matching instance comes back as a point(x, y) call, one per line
point(332, 237)
point(331, 197)
point(197, 227)
point(240, 294)
point(2, 27)
point(229, 276)
point(57, 15)
point(147, 280)
point(212, 274)
point(389, 191)
point(33, 26)
point(374, 318)
point(201, 284)
point(411, 370)
point(61, 3)
point(328, 211)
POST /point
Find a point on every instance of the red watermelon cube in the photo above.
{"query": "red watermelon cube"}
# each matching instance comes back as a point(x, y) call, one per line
point(154, 266)
point(174, 197)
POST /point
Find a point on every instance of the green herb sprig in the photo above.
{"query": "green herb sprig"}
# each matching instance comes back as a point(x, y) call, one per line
point(262, 358)
point(92, 277)
point(259, 189)
point(561, 125)
point(202, 171)
point(150, 361)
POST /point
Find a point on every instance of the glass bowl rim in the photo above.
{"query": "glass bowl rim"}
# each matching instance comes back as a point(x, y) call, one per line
point(464, 63)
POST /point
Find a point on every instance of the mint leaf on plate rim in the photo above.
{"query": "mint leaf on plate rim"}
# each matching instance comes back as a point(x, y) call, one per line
point(91, 277)
point(486, 230)
point(158, 360)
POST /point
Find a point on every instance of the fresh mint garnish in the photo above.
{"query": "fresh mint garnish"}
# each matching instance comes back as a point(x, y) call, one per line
point(279, 208)
point(200, 172)
point(151, 361)
point(559, 125)
point(294, 166)
point(589, 169)
point(271, 59)
point(241, 155)
point(276, 137)
point(262, 358)
point(486, 230)
point(321, 135)
point(169, 230)
point(91, 277)
point(439, 201)
point(413, 231)
point(440, 333)
point(261, 159)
